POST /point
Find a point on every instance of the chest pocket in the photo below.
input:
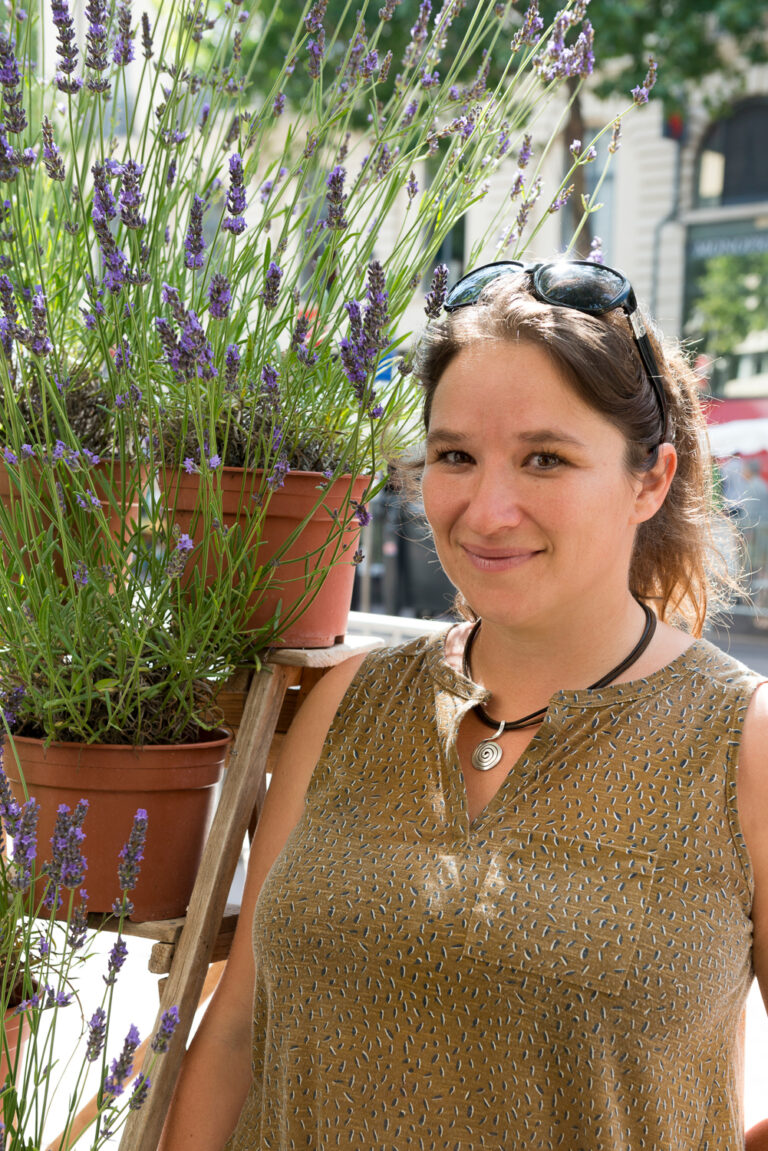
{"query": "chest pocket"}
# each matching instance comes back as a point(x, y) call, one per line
point(567, 909)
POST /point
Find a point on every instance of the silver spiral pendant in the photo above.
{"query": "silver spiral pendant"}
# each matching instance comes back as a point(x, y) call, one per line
point(487, 753)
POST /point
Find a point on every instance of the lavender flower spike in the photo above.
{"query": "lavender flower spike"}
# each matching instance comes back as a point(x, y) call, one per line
point(114, 1082)
point(336, 199)
point(169, 1021)
point(271, 285)
point(97, 1033)
point(67, 866)
point(219, 296)
point(25, 845)
point(66, 48)
point(123, 50)
point(132, 852)
point(236, 201)
point(436, 294)
point(130, 196)
point(194, 244)
point(54, 165)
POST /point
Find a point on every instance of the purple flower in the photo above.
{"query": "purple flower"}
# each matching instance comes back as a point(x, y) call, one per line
point(231, 367)
point(412, 187)
point(139, 1093)
point(418, 35)
point(194, 244)
point(189, 465)
point(387, 12)
point(185, 543)
point(214, 462)
point(15, 118)
point(359, 352)
point(25, 845)
point(54, 165)
point(123, 50)
point(336, 199)
point(80, 574)
point(117, 958)
point(269, 385)
point(9, 162)
point(278, 104)
point(315, 52)
point(97, 43)
point(277, 473)
point(132, 853)
point(97, 1034)
point(524, 154)
point(313, 21)
point(66, 48)
point(10, 456)
point(130, 195)
point(236, 200)
point(146, 36)
point(596, 251)
point(122, 359)
point(204, 114)
point(533, 26)
point(436, 294)
point(169, 1021)
point(271, 285)
point(562, 198)
point(641, 93)
point(67, 865)
point(362, 515)
point(114, 1082)
point(78, 925)
point(219, 296)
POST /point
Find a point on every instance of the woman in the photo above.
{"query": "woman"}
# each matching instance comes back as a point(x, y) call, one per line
point(483, 922)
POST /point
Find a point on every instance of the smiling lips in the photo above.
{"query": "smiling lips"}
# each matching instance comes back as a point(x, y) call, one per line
point(497, 559)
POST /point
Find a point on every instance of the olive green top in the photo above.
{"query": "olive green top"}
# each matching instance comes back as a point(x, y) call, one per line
point(567, 970)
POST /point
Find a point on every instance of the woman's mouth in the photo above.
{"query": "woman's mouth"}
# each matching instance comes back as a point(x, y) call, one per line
point(498, 559)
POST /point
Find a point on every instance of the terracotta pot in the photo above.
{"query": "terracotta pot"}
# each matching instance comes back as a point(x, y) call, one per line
point(298, 582)
point(175, 784)
point(15, 1030)
point(122, 516)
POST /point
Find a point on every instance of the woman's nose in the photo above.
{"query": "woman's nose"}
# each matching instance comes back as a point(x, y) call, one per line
point(494, 502)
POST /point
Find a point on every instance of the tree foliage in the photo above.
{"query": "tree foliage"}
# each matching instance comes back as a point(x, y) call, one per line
point(693, 40)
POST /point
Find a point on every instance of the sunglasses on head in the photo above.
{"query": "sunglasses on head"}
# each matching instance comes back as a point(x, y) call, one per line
point(579, 284)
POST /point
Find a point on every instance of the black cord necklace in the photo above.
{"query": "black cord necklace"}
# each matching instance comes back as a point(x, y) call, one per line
point(488, 752)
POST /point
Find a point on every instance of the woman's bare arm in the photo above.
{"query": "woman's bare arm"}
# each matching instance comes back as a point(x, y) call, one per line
point(753, 816)
point(216, 1073)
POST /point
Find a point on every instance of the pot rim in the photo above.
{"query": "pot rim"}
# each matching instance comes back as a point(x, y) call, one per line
point(220, 737)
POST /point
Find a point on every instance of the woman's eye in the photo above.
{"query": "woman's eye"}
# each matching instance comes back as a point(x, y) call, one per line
point(452, 456)
point(546, 461)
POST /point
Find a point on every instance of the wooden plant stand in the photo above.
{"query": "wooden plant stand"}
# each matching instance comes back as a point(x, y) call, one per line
point(258, 705)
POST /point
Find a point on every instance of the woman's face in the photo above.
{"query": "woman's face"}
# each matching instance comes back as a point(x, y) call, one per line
point(526, 488)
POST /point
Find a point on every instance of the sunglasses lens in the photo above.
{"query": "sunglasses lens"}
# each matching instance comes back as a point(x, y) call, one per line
point(469, 289)
point(587, 287)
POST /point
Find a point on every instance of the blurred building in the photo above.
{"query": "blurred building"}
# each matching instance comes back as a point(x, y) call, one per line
point(685, 214)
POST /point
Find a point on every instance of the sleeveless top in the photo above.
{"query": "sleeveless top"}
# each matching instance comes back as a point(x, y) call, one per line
point(569, 970)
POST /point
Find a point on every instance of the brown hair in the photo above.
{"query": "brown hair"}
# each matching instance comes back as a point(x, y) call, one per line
point(675, 563)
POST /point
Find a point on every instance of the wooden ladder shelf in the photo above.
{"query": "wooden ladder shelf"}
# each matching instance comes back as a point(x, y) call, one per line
point(253, 704)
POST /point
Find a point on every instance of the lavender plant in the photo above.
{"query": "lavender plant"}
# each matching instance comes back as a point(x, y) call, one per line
point(192, 281)
point(48, 958)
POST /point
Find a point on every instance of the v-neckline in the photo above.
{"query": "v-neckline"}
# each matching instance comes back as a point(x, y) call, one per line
point(470, 693)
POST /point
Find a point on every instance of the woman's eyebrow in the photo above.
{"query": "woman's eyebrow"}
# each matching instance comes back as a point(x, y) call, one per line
point(538, 436)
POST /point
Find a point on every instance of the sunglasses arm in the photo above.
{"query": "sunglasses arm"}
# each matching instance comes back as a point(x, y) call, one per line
point(649, 362)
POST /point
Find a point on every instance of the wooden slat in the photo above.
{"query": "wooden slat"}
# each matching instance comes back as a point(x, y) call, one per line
point(195, 947)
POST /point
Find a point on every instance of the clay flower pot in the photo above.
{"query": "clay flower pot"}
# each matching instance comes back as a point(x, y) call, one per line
point(175, 784)
point(299, 581)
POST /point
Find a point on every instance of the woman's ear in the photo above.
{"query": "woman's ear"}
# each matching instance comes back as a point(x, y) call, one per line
point(653, 485)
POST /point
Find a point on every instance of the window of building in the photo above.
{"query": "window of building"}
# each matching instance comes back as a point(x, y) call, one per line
point(733, 160)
